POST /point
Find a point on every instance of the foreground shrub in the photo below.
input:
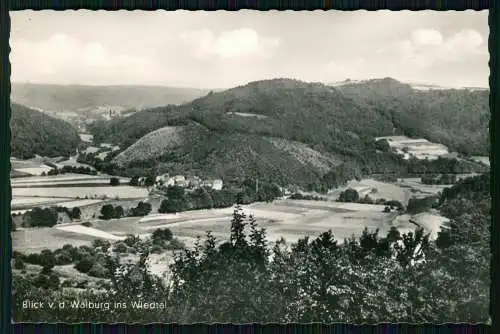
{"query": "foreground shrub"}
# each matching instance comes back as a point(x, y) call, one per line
point(85, 264)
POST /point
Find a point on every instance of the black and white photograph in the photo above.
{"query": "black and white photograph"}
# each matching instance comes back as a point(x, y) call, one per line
point(250, 166)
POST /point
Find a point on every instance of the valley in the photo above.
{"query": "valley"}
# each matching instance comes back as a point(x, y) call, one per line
point(188, 169)
point(200, 145)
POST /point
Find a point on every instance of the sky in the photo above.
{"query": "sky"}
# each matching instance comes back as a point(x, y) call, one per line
point(226, 49)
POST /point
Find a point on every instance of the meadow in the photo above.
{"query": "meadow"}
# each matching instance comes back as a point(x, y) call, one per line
point(285, 218)
point(63, 179)
point(81, 192)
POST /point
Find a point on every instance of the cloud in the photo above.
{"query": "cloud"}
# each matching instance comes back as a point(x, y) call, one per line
point(425, 47)
point(228, 44)
point(422, 37)
point(64, 56)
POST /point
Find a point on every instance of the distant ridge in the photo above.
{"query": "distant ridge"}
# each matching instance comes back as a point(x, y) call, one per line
point(81, 97)
point(414, 85)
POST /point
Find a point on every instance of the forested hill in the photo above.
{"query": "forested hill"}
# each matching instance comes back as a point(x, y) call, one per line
point(310, 113)
point(292, 121)
point(34, 133)
point(80, 97)
point(316, 113)
point(458, 118)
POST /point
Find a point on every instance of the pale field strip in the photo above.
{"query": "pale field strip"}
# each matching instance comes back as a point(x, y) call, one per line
point(79, 203)
point(243, 114)
point(17, 164)
point(119, 227)
point(92, 149)
point(79, 229)
point(34, 170)
point(159, 216)
point(197, 224)
point(97, 182)
point(86, 137)
point(337, 205)
point(482, 159)
point(74, 192)
point(63, 177)
point(34, 200)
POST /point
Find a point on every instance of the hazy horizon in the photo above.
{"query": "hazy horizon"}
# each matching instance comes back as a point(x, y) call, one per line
point(242, 84)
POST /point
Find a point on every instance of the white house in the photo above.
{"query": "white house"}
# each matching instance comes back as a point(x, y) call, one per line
point(214, 184)
point(179, 178)
point(217, 184)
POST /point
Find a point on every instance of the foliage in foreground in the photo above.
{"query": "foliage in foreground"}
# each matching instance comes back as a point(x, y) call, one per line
point(396, 278)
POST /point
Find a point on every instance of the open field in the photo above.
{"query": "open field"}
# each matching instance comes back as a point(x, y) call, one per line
point(26, 203)
point(86, 137)
point(375, 189)
point(430, 221)
point(482, 159)
point(285, 218)
point(19, 163)
point(419, 148)
point(69, 190)
point(34, 170)
point(34, 181)
point(16, 174)
point(69, 184)
point(419, 189)
point(92, 149)
point(81, 192)
point(79, 229)
point(30, 201)
point(33, 240)
point(290, 219)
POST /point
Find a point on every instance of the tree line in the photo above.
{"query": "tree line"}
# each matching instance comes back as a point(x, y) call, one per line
point(48, 217)
point(71, 169)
